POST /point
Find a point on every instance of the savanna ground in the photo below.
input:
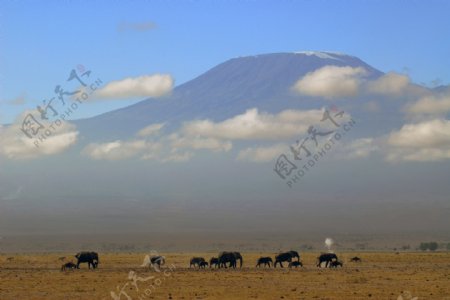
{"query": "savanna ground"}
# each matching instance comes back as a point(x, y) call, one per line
point(378, 276)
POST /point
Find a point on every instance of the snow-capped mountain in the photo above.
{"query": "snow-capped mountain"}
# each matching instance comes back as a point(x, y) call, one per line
point(260, 81)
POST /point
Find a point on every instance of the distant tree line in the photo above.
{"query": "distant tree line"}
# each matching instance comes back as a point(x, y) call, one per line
point(432, 246)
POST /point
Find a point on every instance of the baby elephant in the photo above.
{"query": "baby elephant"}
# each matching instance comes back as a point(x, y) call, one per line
point(295, 264)
point(264, 260)
point(214, 261)
point(203, 264)
point(196, 261)
point(69, 265)
point(335, 264)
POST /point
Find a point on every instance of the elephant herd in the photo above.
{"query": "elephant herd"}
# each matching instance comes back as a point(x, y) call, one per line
point(91, 258)
point(230, 259)
point(223, 260)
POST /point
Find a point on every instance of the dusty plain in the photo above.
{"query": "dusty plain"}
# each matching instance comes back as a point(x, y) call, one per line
point(380, 275)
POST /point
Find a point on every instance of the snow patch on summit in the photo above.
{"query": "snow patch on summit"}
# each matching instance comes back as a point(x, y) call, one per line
point(320, 54)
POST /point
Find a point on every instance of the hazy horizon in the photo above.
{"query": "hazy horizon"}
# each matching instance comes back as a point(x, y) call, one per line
point(141, 126)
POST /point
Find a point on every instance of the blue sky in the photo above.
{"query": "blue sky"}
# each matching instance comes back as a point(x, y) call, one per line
point(42, 41)
point(172, 158)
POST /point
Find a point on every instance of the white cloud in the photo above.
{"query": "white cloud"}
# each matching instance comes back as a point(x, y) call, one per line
point(164, 149)
point(331, 82)
point(253, 125)
point(150, 130)
point(213, 144)
point(14, 144)
point(360, 148)
point(212, 136)
point(425, 141)
point(144, 86)
point(262, 154)
point(392, 84)
point(434, 105)
point(118, 150)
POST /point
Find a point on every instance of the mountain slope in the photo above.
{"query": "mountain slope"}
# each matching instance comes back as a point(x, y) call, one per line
point(262, 81)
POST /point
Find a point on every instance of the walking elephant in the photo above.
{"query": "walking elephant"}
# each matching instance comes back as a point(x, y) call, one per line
point(267, 261)
point(326, 258)
point(231, 258)
point(91, 258)
point(196, 261)
point(283, 257)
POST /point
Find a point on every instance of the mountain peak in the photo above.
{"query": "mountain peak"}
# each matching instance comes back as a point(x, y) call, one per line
point(262, 81)
point(324, 54)
point(319, 54)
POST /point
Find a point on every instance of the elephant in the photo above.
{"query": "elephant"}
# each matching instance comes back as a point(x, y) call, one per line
point(196, 261)
point(295, 264)
point(87, 257)
point(238, 256)
point(327, 258)
point(336, 263)
point(282, 257)
point(214, 261)
point(203, 265)
point(231, 258)
point(157, 260)
point(295, 254)
point(69, 265)
point(264, 260)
